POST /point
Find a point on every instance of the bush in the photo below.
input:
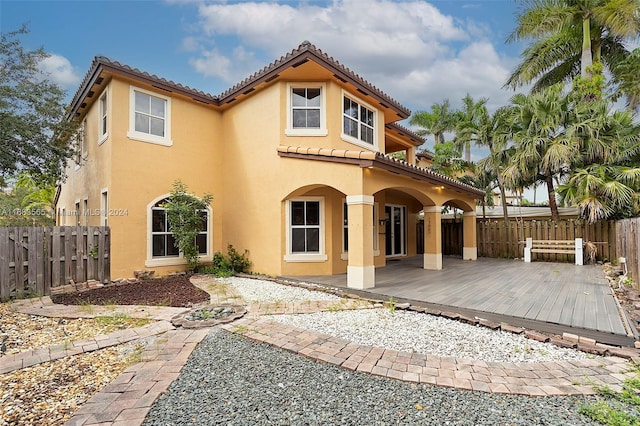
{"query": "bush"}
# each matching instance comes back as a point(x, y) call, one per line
point(227, 266)
point(239, 262)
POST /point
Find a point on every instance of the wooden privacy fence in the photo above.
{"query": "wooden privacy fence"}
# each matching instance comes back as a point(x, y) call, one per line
point(35, 259)
point(628, 244)
point(497, 239)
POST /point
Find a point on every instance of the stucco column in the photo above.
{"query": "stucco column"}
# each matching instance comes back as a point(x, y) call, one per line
point(432, 238)
point(470, 242)
point(360, 269)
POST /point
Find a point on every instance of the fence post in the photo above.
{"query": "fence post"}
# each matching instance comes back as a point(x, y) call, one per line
point(527, 250)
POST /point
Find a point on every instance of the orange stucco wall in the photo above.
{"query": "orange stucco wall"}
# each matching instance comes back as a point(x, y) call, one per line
point(232, 154)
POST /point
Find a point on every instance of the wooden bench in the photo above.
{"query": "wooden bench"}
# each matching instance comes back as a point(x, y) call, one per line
point(573, 247)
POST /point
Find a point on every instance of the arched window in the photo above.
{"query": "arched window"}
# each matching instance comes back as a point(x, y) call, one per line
point(161, 241)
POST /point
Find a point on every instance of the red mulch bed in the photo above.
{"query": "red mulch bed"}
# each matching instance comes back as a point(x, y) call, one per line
point(174, 291)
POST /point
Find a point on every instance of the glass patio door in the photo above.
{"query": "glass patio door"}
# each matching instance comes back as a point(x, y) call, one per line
point(395, 230)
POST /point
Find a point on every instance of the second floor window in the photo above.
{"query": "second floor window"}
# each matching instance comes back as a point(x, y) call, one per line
point(102, 126)
point(150, 114)
point(358, 121)
point(150, 117)
point(305, 110)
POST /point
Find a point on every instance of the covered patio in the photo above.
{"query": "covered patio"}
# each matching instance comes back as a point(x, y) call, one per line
point(544, 296)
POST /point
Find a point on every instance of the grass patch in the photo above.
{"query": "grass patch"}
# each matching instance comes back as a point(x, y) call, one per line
point(617, 408)
point(120, 321)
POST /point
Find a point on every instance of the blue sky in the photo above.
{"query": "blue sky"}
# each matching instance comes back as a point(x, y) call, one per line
point(418, 52)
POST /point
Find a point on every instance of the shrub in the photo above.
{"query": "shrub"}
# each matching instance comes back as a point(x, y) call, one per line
point(239, 262)
point(227, 266)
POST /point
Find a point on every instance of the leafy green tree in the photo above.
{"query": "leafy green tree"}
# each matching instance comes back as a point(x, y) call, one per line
point(492, 131)
point(605, 177)
point(184, 214)
point(33, 115)
point(27, 204)
point(464, 118)
point(446, 160)
point(440, 120)
point(569, 36)
point(545, 146)
point(625, 79)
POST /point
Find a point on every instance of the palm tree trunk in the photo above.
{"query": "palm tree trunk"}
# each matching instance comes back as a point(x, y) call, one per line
point(467, 152)
point(552, 199)
point(587, 59)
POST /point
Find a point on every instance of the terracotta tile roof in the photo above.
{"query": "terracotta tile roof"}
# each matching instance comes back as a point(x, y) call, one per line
point(102, 63)
point(306, 51)
point(302, 53)
point(383, 161)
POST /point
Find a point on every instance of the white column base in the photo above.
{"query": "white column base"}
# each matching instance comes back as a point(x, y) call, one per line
point(433, 261)
point(469, 253)
point(361, 277)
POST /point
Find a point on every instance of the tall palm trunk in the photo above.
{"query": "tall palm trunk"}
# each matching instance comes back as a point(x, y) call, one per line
point(586, 59)
point(467, 152)
point(552, 199)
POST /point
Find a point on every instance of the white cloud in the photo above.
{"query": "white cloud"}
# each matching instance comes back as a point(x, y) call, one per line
point(59, 69)
point(411, 50)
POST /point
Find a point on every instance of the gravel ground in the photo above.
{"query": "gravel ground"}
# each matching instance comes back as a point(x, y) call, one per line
point(403, 330)
point(262, 291)
point(428, 334)
point(232, 380)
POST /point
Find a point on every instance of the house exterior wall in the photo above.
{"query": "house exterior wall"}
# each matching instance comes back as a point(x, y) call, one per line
point(86, 180)
point(232, 152)
point(135, 173)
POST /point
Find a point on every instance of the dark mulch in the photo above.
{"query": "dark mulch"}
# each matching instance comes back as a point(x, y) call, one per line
point(174, 291)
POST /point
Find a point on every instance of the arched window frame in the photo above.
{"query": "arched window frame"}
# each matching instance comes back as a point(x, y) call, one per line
point(172, 260)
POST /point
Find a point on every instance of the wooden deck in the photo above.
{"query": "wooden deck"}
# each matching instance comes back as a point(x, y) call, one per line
point(554, 297)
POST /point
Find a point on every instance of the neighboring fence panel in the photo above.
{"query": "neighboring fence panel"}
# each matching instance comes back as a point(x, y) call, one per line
point(35, 259)
point(628, 244)
point(495, 239)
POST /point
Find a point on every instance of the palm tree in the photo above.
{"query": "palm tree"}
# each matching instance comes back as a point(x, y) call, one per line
point(605, 182)
point(493, 132)
point(465, 118)
point(544, 144)
point(440, 120)
point(569, 36)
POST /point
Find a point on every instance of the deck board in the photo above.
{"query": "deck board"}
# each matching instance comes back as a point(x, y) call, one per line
point(562, 294)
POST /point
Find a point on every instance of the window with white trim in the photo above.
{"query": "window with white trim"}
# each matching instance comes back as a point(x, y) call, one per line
point(306, 110)
point(162, 239)
point(102, 125)
point(305, 230)
point(150, 119)
point(358, 122)
point(305, 227)
point(81, 144)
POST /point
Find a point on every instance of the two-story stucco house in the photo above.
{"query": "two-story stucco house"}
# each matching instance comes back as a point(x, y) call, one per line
point(294, 156)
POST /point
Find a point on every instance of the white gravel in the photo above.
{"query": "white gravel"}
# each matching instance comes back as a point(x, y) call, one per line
point(261, 291)
point(405, 330)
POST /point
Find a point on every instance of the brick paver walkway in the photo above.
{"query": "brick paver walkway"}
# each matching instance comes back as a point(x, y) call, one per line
point(523, 378)
point(127, 400)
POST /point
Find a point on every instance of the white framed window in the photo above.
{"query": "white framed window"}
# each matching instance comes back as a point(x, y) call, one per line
point(81, 145)
point(77, 213)
point(306, 109)
point(85, 212)
point(161, 249)
point(305, 230)
point(150, 117)
point(358, 122)
point(103, 118)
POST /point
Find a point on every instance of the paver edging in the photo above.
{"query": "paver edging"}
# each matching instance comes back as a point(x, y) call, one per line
point(532, 379)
